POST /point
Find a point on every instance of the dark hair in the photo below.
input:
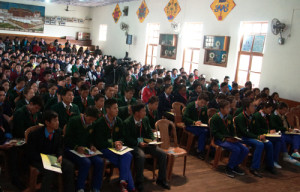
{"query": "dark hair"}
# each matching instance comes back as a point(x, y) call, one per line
point(91, 111)
point(37, 100)
point(151, 81)
point(203, 96)
point(213, 84)
point(265, 89)
point(84, 87)
point(64, 91)
point(224, 84)
point(226, 77)
point(167, 78)
point(248, 93)
point(234, 92)
point(109, 102)
point(50, 85)
point(234, 84)
point(221, 96)
point(266, 105)
point(274, 94)
point(20, 79)
point(255, 89)
point(153, 99)
point(246, 103)
point(223, 103)
point(230, 98)
point(49, 115)
point(61, 78)
point(137, 107)
point(108, 86)
point(180, 87)
point(2, 89)
point(98, 96)
point(282, 105)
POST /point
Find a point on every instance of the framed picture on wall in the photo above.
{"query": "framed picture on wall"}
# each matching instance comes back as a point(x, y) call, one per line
point(69, 19)
point(58, 18)
point(80, 21)
point(62, 23)
point(47, 22)
point(52, 19)
point(75, 20)
point(64, 19)
point(53, 22)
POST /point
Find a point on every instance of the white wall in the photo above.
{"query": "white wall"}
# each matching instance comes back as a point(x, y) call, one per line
point(281, 65)
point(51, 9)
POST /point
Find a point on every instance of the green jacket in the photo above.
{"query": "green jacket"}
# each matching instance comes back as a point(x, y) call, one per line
point(219, 129)
point(238, 111)
point(77, 134)
point(152, 118)
point(123, 86)
point(122, 102)
point(46, 97)
point(50, 103)
point(102, 133)
point(78, 101)
point(277, 123)
point(20, 103)
point(12, 95)
point(63, 116)
point(245, 127)
point(132, 132)
point(123, 113)
point(261, 125)
point(191, 114)
point(22, 120)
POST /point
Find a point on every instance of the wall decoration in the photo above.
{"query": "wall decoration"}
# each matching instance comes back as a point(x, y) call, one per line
point(53, 22)
point(259, 42)
point(117, 13)
point(80, 21)
point(168, 44)
point(172, 9)
point(222, 8)
point(21, 17)
point(69, 19)
point(75, 20)
point(62, 23)
point(142, 12)
point(58, 18)
point(247, 43)
point(47, 22)
point(216, 50)
point(64, 19)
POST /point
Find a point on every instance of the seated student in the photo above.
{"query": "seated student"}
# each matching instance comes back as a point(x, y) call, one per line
point(249, 94)
point(264, 98)
point(256, 102)
point(94, 91)
point(244, 128)
point(108, 132)
point(84, 100)
point(137, 129)
point(48, 140)
point(117, 93)
point(248, 86)
point(256, 91)
point(65, 109)
point(196, 91)
point(138, 85)
point(14, 93)
point(128, 98)
point(215, 102)
point(165, 101)
point(77, 137)
point(274, 99)
point(279, 122)
point(195, 115)
point(52, 88)
point(181, 95)
point(232, 102)
point(127, 82)
point(222, 130)
point(5, 106)
point(190, 81)
point(99, 104)
point(78, 82)
point(151, 111)
point(25, 117)
point(226, 80)
point(25, 97)
point(214, 90)
point(109, 92)
point(262, 126)
point(224, 89)
point(148, 91)
point(124, 112)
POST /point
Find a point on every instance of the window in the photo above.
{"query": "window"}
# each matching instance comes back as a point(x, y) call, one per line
point(102, 32)
point(251, 52)
point(192, 34)
point(152, 43)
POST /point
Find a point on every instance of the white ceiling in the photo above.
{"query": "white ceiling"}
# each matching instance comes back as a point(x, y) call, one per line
point(86, 3)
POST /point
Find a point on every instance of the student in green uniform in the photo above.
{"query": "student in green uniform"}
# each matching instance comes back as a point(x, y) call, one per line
point(15, 92)
point(151, 111)
point(262, 127)
point(65, 109)
point(109, 91)
point(279, 122)
point(78, 138)
point(127, 82)
point(221, 125)
point(137, 128)
point(52, 88)
point(25, 97)
point(244, 129)
point(124, 112)
point(53, 100)
point(83, 100)
point(195, 115)
point(108, 132)
point(99, 104)
point(128, 98)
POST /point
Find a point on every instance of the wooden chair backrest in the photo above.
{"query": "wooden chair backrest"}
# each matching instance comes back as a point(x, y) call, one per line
point(29, 130)
point(177, 109)
point(163, 126)
point(211, 112)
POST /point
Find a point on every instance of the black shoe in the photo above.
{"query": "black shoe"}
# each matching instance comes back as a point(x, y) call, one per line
point(16, 182)
point(229, 172)
point(238, 171)
point(201, 155)
point(256, 173)
point(271, 170)
point(163, 184)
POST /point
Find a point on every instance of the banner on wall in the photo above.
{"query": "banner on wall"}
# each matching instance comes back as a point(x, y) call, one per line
point(142, 12)
point(21, 17)
point(221, 8)
point(117, 13)
point(172, 9)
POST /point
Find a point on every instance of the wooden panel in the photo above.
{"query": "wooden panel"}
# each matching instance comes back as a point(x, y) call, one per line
point(290, 102)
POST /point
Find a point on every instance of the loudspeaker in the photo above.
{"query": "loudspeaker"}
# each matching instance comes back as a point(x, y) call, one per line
point(125, 11)
point(129, 40)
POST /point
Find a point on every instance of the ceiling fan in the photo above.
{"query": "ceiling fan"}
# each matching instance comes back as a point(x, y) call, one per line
point(67, 9)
